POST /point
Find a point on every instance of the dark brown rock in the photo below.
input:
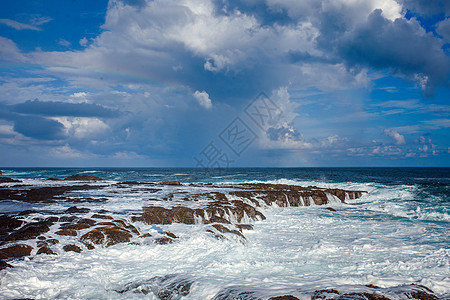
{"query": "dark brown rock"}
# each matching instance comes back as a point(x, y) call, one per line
point(285, 297)
point(74, 210)
point(224, 229)
point(66, 231)
point(164, 240)
point(19, 250)
point(104, 217)
point(107, 235)
point(161, 215)
point(76, 226)
point(245, 226)
point(73, 248)
point(8, 223)
point(30, 231)
point(7, 179)
point(79, 177)
point(170, 183)
point(54, 179)
point(45, 250)
point(170, 234)
point(4, 265)
point(330, 209)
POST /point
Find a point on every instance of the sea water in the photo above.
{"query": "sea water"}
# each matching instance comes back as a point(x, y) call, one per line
point(397, 233)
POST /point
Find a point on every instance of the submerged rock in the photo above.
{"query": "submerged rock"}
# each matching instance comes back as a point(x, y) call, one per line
point(73, 248)
point(79, 177)
point(45, 250)
point(30, 230)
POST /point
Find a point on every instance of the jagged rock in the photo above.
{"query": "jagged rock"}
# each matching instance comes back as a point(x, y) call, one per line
point(66, 231)
point(107, 235)
point(75, 226)
point(79, 177)
point(161, 215)
point(18, 250)
point(7, 179)
point(45, 250)
point(285, 297)
point(74, 209)
point(170, 234)
point(73, 248)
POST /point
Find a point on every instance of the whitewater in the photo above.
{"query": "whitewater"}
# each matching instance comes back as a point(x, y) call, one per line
point(395, 234)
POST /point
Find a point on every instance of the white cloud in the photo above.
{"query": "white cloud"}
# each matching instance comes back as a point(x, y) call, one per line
point(203, 99)
point(17, 25)
point(64, 43)
point(9, 51)
point(81, 128)
point(399, 139)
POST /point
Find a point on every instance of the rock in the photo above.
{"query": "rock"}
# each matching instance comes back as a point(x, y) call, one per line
point(4, 265)
point(73, 248)
point(74, 209)
point(98, 216)
point(1, 172)
point(45, 250)
point(164, 240)
point(223, 229)
point(54, 179)
point(8, 223)
point(170, 183)
point(7, 179)
point(18, 250)
point(330, 209)
point(285, 297)
point(161, 215)
point(170, 234)
point(79, 177)
point(245, 226)
point(30, 231)
point(66, 231)
point(107, 235)
point(75, 226)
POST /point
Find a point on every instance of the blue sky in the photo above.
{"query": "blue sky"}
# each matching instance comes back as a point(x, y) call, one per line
point(217, 83)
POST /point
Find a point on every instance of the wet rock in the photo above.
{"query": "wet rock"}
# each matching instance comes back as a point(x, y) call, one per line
point(54, 179)
point(236, 293)
point(74, 210)
point(79, 177)
point(66, 231)
point(223, 229)
point(7, 179)
point(1, 173)
point(104, 217)
point(18, 250)
point(161, 215)
point(245, 226)
point(107, 235)
point(30, 231)
point(170, 183)
point(285, 297)
point(75, 226)
point(170, 234)
point(45, 250)
point(164, 240)
point(42, 194)
point(8, 223)
point(330, 209)
point(73, 248)
point(4, 265)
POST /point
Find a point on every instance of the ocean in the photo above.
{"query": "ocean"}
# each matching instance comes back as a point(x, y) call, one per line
point(396, 234)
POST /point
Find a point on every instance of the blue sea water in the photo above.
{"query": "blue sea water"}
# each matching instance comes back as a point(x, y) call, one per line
point(395, 234)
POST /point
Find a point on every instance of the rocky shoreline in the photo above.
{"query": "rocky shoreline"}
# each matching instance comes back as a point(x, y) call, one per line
point(225, 212)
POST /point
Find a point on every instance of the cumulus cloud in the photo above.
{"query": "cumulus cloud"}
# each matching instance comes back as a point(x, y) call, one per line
point(203, 99)
point(399, 139)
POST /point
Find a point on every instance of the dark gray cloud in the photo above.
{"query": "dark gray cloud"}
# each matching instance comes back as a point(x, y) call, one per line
point(56, 109)
point(39, 128)
point(400, 46)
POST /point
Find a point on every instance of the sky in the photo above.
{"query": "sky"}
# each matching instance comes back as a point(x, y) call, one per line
point(223, 83)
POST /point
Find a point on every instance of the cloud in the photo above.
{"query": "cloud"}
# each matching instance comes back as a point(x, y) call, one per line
point(9, 51)
point(444, 29)
point(64, 43)
point(399, 139)
point(39, 128)
point(17, 25)
point(54, 109)
point(203, 99)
